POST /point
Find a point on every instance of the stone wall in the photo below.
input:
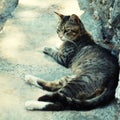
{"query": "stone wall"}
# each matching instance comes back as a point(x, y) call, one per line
point(6, 8)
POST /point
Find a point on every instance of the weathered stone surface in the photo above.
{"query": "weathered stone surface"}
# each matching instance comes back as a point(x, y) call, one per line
point(6, 8)
point(105, 15)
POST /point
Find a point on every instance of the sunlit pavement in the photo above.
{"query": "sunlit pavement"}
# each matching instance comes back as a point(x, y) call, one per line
point(31, 28)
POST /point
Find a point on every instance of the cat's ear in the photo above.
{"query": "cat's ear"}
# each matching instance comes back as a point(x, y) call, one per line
point(59, 15)
point(74, 18)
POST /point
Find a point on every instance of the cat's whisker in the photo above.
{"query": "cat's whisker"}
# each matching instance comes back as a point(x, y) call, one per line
point(65, 40)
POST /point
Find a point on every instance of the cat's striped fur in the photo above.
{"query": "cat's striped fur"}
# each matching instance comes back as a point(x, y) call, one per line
point(95, 71)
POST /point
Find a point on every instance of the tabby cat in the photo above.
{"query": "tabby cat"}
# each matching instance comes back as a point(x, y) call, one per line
point(95, 71)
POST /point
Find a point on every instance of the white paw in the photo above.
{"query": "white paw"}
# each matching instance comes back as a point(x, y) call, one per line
point(36, 105)
point(32, 80)
point(29, 105)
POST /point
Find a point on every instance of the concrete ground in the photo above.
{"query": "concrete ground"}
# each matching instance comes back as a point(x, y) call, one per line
point(31, 28)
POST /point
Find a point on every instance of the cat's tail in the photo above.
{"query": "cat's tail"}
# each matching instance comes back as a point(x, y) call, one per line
point(97, 101)
point(61, 102)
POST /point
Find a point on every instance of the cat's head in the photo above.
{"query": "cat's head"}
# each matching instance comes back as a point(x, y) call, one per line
point(69, 27)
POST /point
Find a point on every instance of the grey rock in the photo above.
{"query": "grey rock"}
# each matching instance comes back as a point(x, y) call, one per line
point(103, 21)
point(6, 8)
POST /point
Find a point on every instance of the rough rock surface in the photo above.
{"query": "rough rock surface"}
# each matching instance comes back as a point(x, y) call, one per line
point(31, 27)
point(6, 8)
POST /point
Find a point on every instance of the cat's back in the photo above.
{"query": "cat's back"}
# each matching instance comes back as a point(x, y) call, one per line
point(94, 57)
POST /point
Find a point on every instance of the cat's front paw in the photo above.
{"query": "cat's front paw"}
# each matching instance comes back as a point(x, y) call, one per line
point(47, 50)
point(32, 80)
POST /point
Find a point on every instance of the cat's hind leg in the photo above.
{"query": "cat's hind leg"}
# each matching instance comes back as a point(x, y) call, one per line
point(43, 106)
point(48, 102)
point(46, 85)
